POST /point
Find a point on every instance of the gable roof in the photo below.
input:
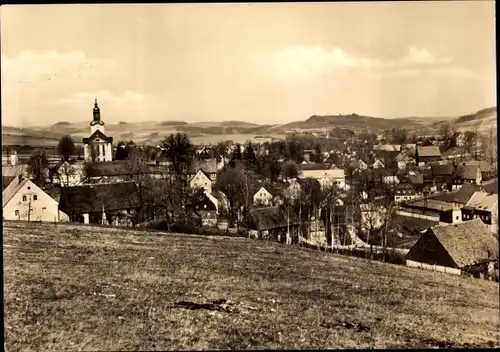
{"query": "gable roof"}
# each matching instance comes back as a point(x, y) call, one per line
point(410, 225)
point(467, 243)
point(8, 195)
point(98, 134)
point(209, 166)
point(428, 151)
point(461, 196)
point(491, 187)
point(442, 170)
point(202, 172)
point(270, 218)
point(467, 172)
point(482, 201)
point(416, 178)
point(6, 180)
point(431, 204)
point(273, 191)
point(92, 198)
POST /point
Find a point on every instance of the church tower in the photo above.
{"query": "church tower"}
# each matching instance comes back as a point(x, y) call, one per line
point(98, 146)
point(96, 123)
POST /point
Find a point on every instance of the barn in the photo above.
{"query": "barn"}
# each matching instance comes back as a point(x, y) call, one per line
point(467, 248)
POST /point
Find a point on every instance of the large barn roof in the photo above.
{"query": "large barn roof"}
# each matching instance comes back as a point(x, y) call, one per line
point(467, 243)
point(93, 198)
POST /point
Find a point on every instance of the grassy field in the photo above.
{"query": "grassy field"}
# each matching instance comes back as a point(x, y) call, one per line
point(71, 287)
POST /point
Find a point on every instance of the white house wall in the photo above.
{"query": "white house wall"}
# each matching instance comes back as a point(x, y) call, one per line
point(44, 208)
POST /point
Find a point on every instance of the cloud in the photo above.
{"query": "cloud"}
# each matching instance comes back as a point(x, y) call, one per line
point(315, 61)
point(28, 67)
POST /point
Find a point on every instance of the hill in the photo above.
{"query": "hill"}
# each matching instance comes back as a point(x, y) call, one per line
point(155, 131)
point(94, 288)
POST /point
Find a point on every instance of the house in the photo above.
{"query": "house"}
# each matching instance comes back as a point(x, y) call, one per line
point(424, 155)
point(467, 174)
point(272, 223)
point(404, 191)
point(221, 202)
point(484, 206)
point(417, 181)
point(105, 203)
point(462, 196)
point(358, 165)
point(406, 230)
point(323, 173)
point(465, 248)
point(487, 170)
point(201, 180)
point(265, 195)
point(443, 175)
point(205, 207)
point(24, 200)
point(208, 166)
point(432, 209)
point(386, 176)
point(405, 157)
point(378, 164)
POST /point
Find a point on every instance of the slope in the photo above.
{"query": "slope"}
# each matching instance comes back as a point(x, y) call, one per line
point(90, 288)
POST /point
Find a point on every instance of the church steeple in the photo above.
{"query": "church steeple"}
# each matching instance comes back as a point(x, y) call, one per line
point(97, 112)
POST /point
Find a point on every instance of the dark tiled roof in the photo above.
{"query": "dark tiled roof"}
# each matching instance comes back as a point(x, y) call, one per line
point(209, 166)
point(467, 172)
point(271, 218)
point(310, 167)
point(461, 196)
point(491, 187)
point(416, 179)
point(428, 151)
point(6, 180)
point(92, 198)
point(410, 225)
point(443, 170)
point(467, 243)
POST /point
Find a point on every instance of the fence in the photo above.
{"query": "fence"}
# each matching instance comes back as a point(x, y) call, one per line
point(443, 269)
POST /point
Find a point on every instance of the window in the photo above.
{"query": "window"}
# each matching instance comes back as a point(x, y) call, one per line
point(35, 197)
point(29, 188)
point(44, 209)
point(24, 198)
point(456, 217)
point(16, 212)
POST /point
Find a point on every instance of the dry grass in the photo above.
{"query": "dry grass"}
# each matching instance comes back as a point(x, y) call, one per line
point(83, 288)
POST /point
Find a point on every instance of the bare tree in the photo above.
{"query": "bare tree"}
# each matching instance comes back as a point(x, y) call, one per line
point(376, 222)
point(66, 171)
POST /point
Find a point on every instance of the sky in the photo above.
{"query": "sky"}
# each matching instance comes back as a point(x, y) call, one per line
point(264, 63)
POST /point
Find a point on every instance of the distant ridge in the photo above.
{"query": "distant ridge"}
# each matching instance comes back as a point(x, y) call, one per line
point(481, 120)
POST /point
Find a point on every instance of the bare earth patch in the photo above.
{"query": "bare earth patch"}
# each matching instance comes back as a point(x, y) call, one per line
point(81, 288)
